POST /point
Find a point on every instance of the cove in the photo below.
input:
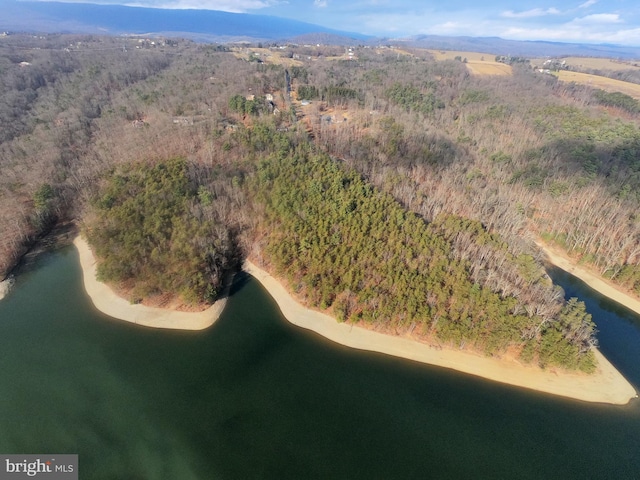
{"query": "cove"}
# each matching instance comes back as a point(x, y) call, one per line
point(255, 397)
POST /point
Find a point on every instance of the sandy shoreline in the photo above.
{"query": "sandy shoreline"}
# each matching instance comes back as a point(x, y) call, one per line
point(607, 385)
point(105, 300)
point(590, 279)
point(5, 286)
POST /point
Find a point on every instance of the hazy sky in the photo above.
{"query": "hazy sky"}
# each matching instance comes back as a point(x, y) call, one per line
point(592, 21)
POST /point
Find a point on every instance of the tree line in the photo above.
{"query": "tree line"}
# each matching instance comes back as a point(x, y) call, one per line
point(525, 155)
point(345, 246)
point(149, 233)
point(477, 166)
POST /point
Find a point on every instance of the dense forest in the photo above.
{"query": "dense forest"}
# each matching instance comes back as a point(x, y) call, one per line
point(405, 194)
point(153, 229)
point(526, 155)
point(343, 244)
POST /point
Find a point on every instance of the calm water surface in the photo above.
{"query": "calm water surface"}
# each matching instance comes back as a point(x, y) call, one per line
point(256, 398)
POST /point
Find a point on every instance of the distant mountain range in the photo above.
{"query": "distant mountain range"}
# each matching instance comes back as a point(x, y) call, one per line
point(500, 46)
point(206, 25)
point(224, 27)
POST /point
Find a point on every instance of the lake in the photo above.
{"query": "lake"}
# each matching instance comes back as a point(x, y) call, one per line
point(254, 397)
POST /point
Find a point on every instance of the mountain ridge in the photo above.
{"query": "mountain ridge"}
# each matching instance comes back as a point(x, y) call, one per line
point(226, 27)
point(52, 17)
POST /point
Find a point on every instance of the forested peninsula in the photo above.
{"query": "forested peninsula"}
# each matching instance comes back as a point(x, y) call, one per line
point(391, 190)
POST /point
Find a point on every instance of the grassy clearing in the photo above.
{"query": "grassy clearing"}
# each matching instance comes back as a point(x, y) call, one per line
point(470, 56)
point(489, 68)
point(266, 55)
point(341, 57)
point(596, 81)
point(398, 50)
point(477, 63)
point(595, 63)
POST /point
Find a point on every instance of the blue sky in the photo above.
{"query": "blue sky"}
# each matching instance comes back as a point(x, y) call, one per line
point(585, 21)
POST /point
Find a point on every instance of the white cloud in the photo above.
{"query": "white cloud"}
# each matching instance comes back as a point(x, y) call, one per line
point(588, 4)
point(623, 37)
point(574, 33)
point(598, 18)
point(233, 6)
point(448, 28)
point(536, 12)
point(553, 24)
point(320, 3)
point(385, 24)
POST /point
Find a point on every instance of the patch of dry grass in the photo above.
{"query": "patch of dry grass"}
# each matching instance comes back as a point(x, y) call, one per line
point(477, 63)
point(489, 68)
point(595, 63)
point(470, 56)
point(596, 81)
point(272, 57)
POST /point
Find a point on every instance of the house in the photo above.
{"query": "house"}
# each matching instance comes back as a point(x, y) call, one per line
point(268, 97)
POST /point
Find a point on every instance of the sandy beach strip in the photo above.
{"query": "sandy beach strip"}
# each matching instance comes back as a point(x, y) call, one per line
point(5, 286)
point(105, 300)
point(595, 282)
point(607, 385)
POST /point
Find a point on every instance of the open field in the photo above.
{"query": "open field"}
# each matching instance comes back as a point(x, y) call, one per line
point(477, 63)
point(273, 57)
point(397, 50)
point(470, 56)
point(607, 84)
point(345, 56)
point(595, 63)
point(489, 68)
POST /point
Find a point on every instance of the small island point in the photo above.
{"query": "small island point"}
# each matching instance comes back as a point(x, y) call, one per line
point(108, 302)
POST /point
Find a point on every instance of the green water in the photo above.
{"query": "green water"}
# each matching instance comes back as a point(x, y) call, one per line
point(256, 398)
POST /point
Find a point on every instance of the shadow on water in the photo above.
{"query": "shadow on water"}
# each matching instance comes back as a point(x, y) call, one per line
point(618, 327)
point(239, 281)
point(254, 397)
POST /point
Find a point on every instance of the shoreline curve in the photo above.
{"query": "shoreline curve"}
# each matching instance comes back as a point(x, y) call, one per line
point(598, 284)
point(106, 300)
point(5, 287)
point(607, 385)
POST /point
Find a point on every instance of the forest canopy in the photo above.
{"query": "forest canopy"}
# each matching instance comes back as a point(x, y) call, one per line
point(344, 245)
point(145, 232)
point(464, 170)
